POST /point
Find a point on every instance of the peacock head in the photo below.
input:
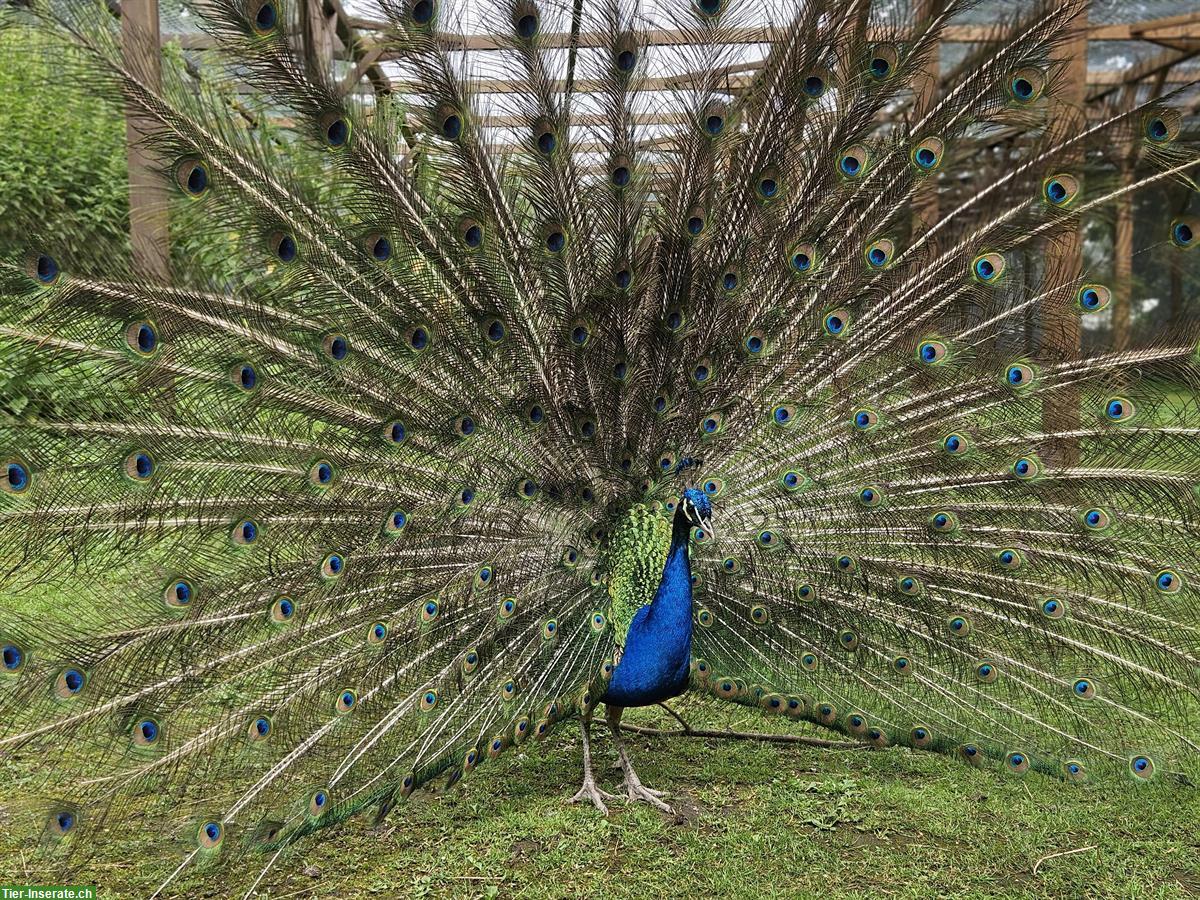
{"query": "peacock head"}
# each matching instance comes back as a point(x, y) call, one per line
point(697, 509)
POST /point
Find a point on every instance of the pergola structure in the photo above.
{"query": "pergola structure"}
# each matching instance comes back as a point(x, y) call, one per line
point(1109, 65)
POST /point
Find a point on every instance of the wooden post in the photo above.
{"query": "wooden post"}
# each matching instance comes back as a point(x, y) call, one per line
point(316, 39)
point(925, 198)
point(1123, 262)
point(149, 223)
point(1064, 259)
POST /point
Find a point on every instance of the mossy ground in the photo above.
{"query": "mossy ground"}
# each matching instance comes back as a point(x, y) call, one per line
point(752, 820)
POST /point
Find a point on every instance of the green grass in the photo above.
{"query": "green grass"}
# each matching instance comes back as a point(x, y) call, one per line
point(752, 819)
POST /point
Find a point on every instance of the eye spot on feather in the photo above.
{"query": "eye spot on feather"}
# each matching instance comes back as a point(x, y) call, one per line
point(1027, 467)
point(69, 683)
point(709, 8)
point(396, 522)
point(318, 802)
point(803, 259)
point(321, 473)
point(944, 522)
point(263, 17)
point(526, 21)
point(1053, 608)
point(619, 176)
point(336, 347)
point(972, 755)
point(283, 247)
point(1096, 519)
point(1119, 409)
point(731, 565)
point(465, 497)
point(470, 661)
point(332, 565)
point(244, 377)
point(208, 835)
point(245, 532)
point(783, 415)
point(813, 86)
point(826, 713)
point(988, 268)
point(139, 466)
point(179, 593)
point(335, 129)
point(1010, 559)
point(870, 496)
point(16, 478)
point(766, 185)
point(986, 673)
point(847, 639)
point(806, 592)
point(1017, 762)
point(283, 609)
point(146, 733)
point(62, 822)
point(549, 629)
point(421, 12)
point(508, 608)
point(545, 139)
point(865, 419)
point(768, 539)
point(346, 701)
point(1060, 190)
point(921, 737)
point(902, 665)
point(836, 323)
point(1073, 770)
point(955, 444)
point(1094, 298)
point(1183, 233)
point(927, 155)
point(1019, 376)
point(419, 338)
point(845, 563)
point(192, 177)
point(883, 61)
point(1168, 581)
point(879, 253)
point(1083, 688)
point(521, 729)
point(931, 352)
point(1142, 767)
point(465, 426)
point(759, 615)
point(13, 658)
point(428, 700)
point(142, 338)
point(909, 585)
point(852, 161)
point(703, 372)
point(705, 617)
point(1026, 85)
point(958, 626)
point(625, 57)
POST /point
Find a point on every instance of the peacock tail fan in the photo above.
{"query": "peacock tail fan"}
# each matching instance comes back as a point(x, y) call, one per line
point(291, 536)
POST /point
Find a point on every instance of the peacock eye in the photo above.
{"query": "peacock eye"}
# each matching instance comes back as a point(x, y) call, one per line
point(836, 322)
point(927, 155)
point(1119, 409)
point(1019, 376)
point(879, 253)
point(931, 352)
point(1026, 85)
point(1060, 190)
point(988, 268)
point(852, 161)
point(865, 419)
point(1094, 297)
point(813, 85)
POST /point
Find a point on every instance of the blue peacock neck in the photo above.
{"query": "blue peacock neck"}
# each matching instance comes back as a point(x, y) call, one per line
point(656, 662)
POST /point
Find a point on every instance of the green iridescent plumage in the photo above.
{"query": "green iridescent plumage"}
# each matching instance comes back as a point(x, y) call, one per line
point(633, 563)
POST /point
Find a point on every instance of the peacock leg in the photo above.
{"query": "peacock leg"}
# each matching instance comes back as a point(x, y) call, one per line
point(634, 789)
point(589, 792)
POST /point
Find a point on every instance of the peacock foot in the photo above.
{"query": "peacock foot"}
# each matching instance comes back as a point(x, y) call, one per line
point(636, 792)
point(589, 793)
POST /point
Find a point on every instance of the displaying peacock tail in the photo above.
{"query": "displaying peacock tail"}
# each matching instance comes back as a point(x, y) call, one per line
point(291, 536)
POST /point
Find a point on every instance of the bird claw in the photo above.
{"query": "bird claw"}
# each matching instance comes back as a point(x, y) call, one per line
point(635, 791)
point(589, 793)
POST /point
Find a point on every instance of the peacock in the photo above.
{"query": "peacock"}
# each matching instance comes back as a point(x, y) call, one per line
point(483, 411)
